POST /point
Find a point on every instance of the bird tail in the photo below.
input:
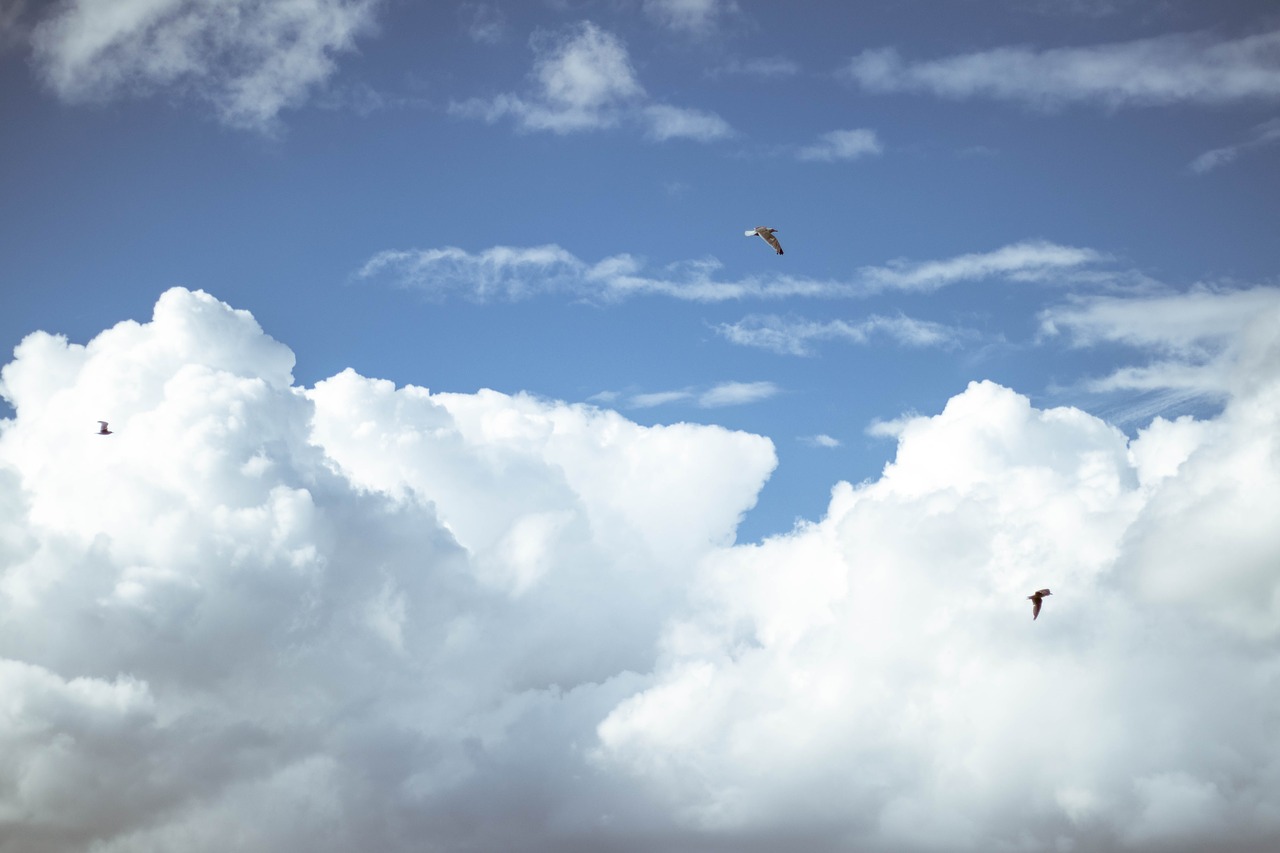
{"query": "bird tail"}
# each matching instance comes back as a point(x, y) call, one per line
point(750, 233)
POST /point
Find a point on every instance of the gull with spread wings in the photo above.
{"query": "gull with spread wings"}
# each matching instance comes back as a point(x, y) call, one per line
point(767, 235)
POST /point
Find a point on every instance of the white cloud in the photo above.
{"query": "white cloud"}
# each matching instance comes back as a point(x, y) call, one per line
point(842, 145)
point(788, 336)
point(483, 22)
point(510, 273)
point(690, 17)
point(667, 122)
point(821, 440)
point(584, 80)
point(736, 393)
point(361, 616)
point(1197, 337)
point(250, 60)
point(1267, 133)
point(724, 394)
point(1196, 68)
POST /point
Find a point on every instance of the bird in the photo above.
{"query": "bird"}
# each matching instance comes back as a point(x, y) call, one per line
point(767, 235)
point(102, 428)
point(1037, 598)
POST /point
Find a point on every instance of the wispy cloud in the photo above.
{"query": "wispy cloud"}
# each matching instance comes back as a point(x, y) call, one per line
point(699, 18)
point(250, 60)
point(1196, 67)
point(764, 67)
point(484, 23)
point(715, 397)
point(842, 145)
point(506, 273)
point(1267, 133)
point(789, 336)
point(583, 80)
point(1195, 338)
point(821, 440)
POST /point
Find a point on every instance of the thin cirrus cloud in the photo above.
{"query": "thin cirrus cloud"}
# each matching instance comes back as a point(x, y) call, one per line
point(1267, 133)
point(508, 273)
point(1194, 68)
point(583, 80)
point(790, 336)
point(715, 397)
point(351, 616)
point(842, 145)
point(250, 61)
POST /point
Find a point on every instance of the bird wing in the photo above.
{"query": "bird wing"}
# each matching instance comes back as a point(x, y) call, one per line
point(1035, 608)
point(772, 241)
point(1043, 592)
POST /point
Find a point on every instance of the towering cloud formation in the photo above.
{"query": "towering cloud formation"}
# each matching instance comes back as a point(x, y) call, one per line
point(358, 616)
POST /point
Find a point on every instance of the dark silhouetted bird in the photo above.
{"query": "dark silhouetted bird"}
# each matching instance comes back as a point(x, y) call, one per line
point(102, 428)
point(1037, 598)
point(767, 235)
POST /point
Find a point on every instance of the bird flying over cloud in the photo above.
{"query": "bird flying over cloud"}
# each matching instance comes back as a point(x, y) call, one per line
point(767, 235)
point(1037, 598)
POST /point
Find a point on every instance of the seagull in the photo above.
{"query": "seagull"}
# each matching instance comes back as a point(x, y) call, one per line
point(102, 428)
point(767, 235)
point(1036, 599)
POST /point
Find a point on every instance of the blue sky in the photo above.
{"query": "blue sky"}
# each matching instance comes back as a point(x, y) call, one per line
point(117, 190)
point(1023, 334)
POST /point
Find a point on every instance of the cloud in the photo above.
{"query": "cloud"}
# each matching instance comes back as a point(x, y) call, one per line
point(787, 336)
point(1267, 133)
point(1197, 338)
point(1178, 68)
point(765, 67)
point(821, 440)
point(250, 61)
point(724, 394)
point(842, 145)
point(583, 80)
point(698, 18)
point(483, 22)
point(513, 273)
point(362, 616)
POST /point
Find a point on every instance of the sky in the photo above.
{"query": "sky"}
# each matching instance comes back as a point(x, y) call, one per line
point(476, 483)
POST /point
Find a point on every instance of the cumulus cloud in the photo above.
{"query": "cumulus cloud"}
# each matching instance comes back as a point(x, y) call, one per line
point(512, 273)
point(249, 60)
point(842, 145)
point(1194, 68)
point(362, 616)
point(791, 336)
point(1267, 133)
point(583, 80)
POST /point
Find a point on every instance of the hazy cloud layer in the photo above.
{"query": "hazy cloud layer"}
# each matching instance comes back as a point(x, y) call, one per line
point(512, 273)
point(357, 616)
point(582, 80)
point(842, 145)
point(250, 60)
point(1195, 68)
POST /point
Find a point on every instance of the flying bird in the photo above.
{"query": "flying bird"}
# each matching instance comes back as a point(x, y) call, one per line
point(1037, 598)
point(102, 428)
point(767, 235)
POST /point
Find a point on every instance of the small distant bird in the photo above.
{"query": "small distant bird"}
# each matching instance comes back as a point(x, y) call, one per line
point(1037, 598)
point(102, 428)
point(767, 235)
